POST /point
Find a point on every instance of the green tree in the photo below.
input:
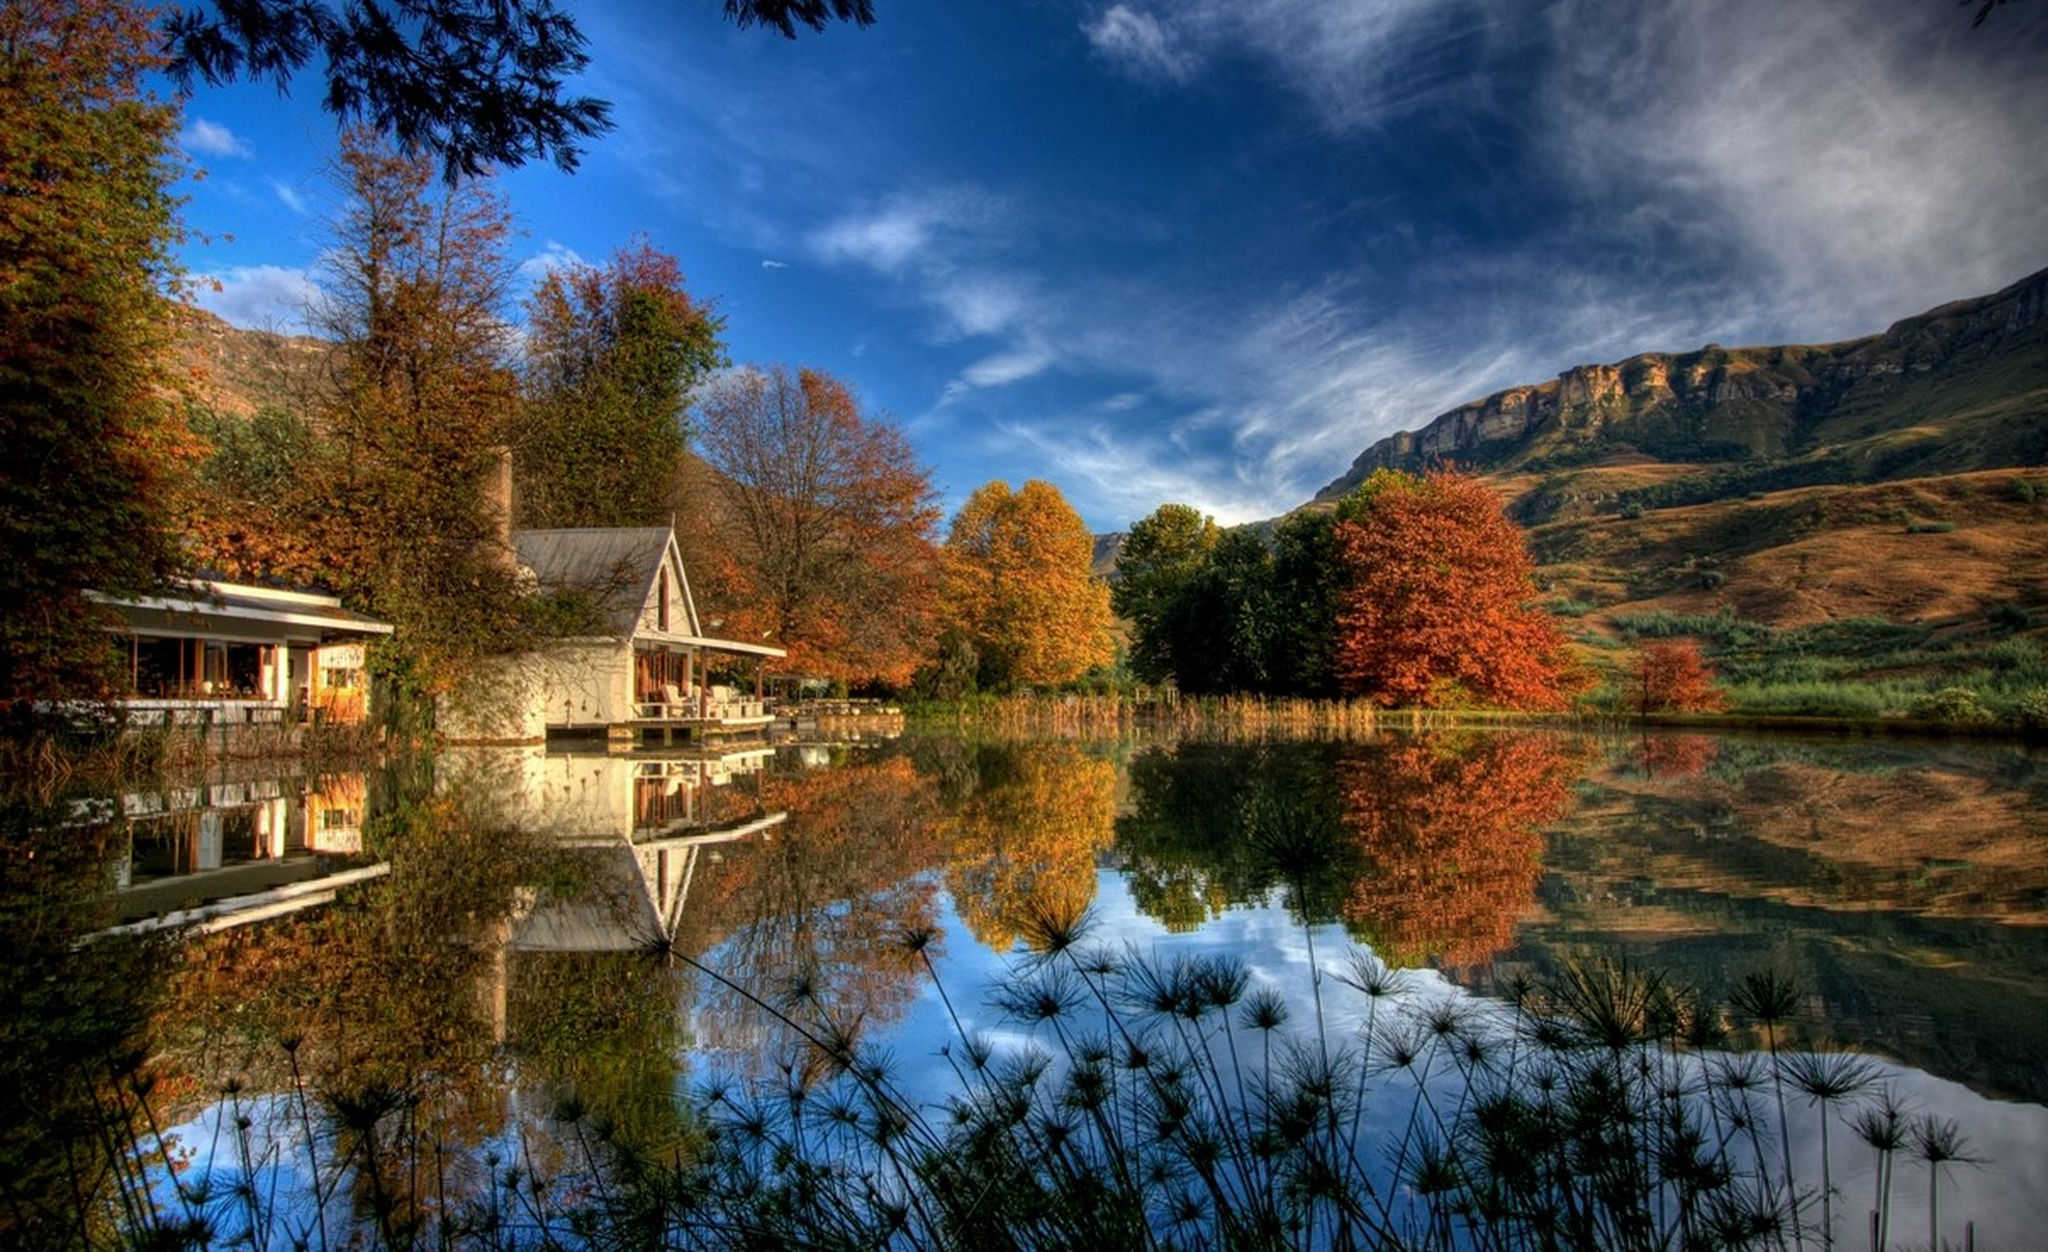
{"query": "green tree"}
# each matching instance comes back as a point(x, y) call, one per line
point(1160, 556)
point(1308, 584)
point(1224, 626)
point(93, 436)
point(1021, 588)
point(479, 83)
point(612, 356)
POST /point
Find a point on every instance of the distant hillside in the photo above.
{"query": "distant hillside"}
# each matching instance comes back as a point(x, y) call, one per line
point(1962, 387)
point(236, 372)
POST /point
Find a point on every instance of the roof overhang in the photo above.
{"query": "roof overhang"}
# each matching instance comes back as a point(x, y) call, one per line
point(709, 644)
point(231, 602)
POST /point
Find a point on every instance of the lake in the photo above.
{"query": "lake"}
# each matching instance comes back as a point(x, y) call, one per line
point(329, 1006)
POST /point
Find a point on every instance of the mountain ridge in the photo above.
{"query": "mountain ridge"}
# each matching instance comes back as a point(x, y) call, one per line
point(1774, 404)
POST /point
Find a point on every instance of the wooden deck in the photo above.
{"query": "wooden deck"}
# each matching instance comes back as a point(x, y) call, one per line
point(666, 724)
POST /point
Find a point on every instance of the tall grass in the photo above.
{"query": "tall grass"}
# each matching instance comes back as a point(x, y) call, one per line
point(1139, 1103)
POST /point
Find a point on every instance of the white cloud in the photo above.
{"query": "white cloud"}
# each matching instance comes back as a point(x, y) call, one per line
point(259, 297)
point(288, 196)
point(1862, 160)
point(551, 257)
point(1136, 42)
point(774, 265)
point(203, 138)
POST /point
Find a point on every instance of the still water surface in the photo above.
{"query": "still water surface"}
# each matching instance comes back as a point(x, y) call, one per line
point(491, 933)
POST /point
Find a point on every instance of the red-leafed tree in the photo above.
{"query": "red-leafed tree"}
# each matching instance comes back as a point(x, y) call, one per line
point(1670, 675)
point(829, 526)
point(1435, 610)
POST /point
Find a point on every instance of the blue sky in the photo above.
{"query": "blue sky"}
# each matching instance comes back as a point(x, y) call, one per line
point(1207, 250)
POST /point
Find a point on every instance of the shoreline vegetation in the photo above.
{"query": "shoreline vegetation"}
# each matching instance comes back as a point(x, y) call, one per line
point(116, 751)
point(1108, 713)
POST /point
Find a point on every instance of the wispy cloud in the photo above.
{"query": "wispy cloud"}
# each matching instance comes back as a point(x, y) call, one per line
point(1134, 41)
point(901, 232)
point(288, 196)
point(1356, 64)
point(774, 265)
point(1844, 152)
point(259, 297)
point(204, 138)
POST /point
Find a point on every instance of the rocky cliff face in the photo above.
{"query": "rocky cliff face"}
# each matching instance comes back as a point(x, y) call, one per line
point(1720, 404)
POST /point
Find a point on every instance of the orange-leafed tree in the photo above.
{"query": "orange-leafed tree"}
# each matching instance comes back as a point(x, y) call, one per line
point(1436, 608)
point(1021, 591)
point(829, 536)
point(1670, 675)
point(93, 438)
point(1027, 839)
point(1448, 831)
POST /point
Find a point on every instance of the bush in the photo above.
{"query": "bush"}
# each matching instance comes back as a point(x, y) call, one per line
point(1918, 527)
point(2011, 616)
point(1632, 510)
point(2018, 657)
point(2030, 711)
point(1952, 706)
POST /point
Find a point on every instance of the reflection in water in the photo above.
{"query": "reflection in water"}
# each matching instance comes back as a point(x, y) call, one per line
point(531, 947)
point(1027, 835)
point(1449, 831)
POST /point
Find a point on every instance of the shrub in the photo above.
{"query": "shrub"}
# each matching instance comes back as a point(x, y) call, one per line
point(1670, 675)
point(1952, 706)
point(1918, 527)
point(2030, 711)
point(2011, 617)
point(2019, 656)
point(1632, 510)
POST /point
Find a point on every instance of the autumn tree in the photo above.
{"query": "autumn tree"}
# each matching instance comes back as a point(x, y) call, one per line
point(1021, 588)
point(1162, 553)
point(1435, 608)
point(250, 498)
point(830, 529)
point(612, 355)
point(1670, 675)
point(94, 438)
point(422, 400)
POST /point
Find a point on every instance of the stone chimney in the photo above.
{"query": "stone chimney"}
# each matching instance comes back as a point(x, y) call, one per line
point(496, 487)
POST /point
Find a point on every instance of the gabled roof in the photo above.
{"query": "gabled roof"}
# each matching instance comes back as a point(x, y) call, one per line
point(614, 566)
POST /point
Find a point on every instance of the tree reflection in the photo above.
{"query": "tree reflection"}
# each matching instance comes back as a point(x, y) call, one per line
point(74, 1053)
point(1427, 848)
point(1027, 837)
point(1447, 828)
point(813, 915)
point(1213, 825)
